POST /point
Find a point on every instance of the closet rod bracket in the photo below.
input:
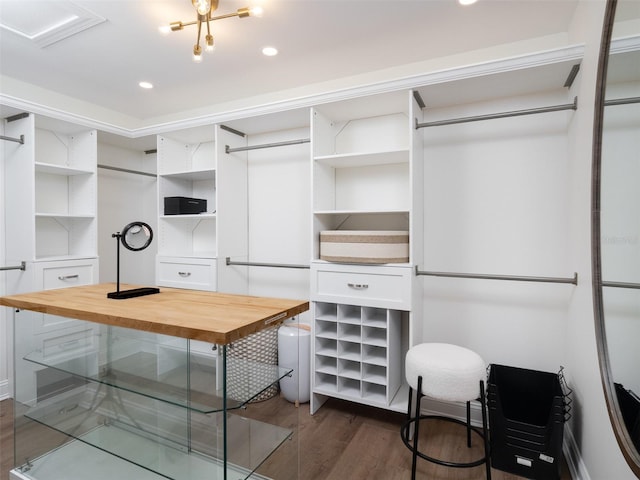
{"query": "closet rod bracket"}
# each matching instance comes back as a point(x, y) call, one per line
point(22, 266)
point(19, 140)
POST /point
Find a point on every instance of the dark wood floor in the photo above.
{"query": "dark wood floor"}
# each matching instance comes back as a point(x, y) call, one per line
point(342, 441)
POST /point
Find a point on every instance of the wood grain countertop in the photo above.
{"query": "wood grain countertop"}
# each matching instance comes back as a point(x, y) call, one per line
point(208, 316)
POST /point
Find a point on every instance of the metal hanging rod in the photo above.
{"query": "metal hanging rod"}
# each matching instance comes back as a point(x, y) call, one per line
point(262, 264)
point(22, 266)
point(11, 139)
point(491, 116)
point(621, 101)
point(621, 285)
point(573, 280)
point(126, 170)
point(227, 149)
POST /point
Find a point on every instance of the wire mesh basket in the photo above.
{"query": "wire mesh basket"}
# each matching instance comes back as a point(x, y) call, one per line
point(250, 364)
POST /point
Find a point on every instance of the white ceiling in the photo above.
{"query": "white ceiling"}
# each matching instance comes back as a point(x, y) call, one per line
point(318, 40)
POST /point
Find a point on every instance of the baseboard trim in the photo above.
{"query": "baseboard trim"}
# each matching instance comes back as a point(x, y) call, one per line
point(452, 409)
point(4, 390)
point(577, 467)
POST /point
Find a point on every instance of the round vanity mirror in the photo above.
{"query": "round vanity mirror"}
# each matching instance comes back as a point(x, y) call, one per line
point(136, 236)
point(616, 222)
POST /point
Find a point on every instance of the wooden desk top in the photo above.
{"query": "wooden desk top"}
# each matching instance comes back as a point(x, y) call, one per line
point(208, 316)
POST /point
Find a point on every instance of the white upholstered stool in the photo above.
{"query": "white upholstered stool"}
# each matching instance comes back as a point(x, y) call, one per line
point(451, 373)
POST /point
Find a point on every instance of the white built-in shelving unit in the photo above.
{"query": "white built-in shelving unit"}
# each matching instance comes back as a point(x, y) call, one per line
point(187, 243)
point(365, 177)
point(51, 226)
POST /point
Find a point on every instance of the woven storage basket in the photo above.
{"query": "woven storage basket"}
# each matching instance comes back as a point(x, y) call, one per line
point(260, 348)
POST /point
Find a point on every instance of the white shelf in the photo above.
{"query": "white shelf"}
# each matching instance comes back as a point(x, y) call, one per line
point(55, 169)
point(206, 174)
point(364, 159)
point(80, 459)
point(361, 212)
point(196, 216)
point(65, 215)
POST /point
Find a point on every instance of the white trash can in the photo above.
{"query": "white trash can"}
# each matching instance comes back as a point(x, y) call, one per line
point(294, 344)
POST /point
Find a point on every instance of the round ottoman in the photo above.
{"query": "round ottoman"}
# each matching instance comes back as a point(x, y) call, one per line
point(445, 372)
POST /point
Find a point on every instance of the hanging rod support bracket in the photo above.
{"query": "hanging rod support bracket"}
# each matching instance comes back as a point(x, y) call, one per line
point(22, 266)
point(11, 139)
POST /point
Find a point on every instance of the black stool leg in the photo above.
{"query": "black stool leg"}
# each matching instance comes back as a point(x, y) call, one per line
point(485, 430)
point(416, 431)
point(469, 424)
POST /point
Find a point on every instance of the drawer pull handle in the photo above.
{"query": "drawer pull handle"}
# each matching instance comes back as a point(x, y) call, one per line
point(184, 274)
point(358, 286)
point(68, 277)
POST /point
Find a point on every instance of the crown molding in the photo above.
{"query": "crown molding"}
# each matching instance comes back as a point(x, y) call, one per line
point(564, 54)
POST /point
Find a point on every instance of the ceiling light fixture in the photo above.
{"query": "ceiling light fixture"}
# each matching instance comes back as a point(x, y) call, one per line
point(467, 2)
point(204, 15)
point(270, 51)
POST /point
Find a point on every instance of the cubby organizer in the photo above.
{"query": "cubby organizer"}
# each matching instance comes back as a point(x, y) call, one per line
point(357, 352)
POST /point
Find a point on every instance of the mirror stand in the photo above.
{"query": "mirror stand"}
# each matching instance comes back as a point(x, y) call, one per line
point(130, 238)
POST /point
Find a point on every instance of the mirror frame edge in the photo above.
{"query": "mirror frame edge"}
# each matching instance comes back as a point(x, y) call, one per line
point(630, 453)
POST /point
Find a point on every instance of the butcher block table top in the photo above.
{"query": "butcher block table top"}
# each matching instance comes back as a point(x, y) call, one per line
point(208, 316)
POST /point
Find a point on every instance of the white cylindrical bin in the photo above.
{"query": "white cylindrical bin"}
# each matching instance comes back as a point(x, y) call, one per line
point(294, 344)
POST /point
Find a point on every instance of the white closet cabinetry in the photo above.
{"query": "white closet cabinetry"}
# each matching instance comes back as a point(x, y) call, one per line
point(187, 242)
point(51, 225)
point(364, 178)
point(51, 192)
point(51, 188)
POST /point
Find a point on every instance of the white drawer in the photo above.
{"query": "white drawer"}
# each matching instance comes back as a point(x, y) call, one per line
point(67, 273)
point(384, 287)
point(67, 343)
point(192, 273)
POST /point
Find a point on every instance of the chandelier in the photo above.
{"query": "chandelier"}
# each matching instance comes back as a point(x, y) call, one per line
point(204, 14)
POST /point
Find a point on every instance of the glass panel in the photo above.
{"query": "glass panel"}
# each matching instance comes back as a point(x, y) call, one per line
point(156, 366)
point(138, 405)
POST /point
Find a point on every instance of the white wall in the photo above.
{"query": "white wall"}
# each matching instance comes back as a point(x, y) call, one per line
point(496, 203)
point(124, 198)
point(279, 215)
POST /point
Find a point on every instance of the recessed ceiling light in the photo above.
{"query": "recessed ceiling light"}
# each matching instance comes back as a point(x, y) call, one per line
point(467, 2)
point(146, 85)
point(270, 51)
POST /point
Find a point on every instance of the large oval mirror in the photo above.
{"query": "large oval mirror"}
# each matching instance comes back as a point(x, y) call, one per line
point(616, 222)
